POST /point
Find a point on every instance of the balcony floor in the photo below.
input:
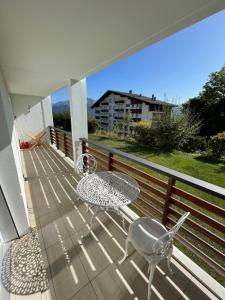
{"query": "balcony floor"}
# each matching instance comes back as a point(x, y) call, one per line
point(88, 268)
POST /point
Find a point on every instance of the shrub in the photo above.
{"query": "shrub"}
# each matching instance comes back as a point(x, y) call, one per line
point(92, 126)
point(217, 144)
point(195, 143)
point(174, 130)
point(143, 134)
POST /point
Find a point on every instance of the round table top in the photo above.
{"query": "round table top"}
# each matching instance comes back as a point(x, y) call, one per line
point(108, 189)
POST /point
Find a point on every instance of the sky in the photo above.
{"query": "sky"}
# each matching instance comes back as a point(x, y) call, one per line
point(173, 69)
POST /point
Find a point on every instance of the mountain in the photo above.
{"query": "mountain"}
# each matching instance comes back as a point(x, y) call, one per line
point(62, 106)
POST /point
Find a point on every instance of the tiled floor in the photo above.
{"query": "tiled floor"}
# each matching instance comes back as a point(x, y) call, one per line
point(87, 269)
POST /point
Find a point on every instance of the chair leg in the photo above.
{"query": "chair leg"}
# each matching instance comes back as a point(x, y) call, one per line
point(126, 252)
point(152, 271)
point(169, 261)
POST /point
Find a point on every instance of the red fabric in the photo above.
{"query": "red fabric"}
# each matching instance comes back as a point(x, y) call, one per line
point(24, 145)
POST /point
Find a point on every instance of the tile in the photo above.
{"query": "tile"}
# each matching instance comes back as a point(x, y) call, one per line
point(54, 232)
point(193, 291)
point(92, 255)
point(109, 285)
point(49, 218)
point(73, 220)
point(109, 236)
point(67, 271)
point(49, 294)
point(61, 200)
point(135, 270)
point(85, 293)
point(179, 279)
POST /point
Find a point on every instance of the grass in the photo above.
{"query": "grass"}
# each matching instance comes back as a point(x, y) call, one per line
point(196, 165)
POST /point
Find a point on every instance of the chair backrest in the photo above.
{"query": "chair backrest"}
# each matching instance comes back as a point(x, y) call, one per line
point(86, 164)
point(164, 243)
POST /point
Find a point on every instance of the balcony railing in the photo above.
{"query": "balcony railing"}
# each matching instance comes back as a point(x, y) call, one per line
point(62, 140)
point(165, 195)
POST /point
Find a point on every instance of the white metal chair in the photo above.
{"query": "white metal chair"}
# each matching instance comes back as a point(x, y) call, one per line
point(153, 241)
point(86, 164)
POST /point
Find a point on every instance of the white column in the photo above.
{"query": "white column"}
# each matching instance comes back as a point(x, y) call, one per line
point(78, 112)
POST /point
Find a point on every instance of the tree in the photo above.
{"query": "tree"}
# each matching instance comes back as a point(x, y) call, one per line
point(93, 125)
point(209, 105)
point(172, 131)
point(62, 120)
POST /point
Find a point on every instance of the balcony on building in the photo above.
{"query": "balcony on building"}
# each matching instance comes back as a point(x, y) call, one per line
point(47, 45)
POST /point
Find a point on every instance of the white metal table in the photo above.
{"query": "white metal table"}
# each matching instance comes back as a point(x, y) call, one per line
point(108, 191)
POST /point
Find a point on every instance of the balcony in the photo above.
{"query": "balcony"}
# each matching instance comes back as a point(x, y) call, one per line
point(88, 268)
point(43, 193)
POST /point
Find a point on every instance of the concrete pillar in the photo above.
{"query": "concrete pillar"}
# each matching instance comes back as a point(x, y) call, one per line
point(78, 112)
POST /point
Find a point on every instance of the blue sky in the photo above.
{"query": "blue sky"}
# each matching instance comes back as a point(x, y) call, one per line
point(175, 68)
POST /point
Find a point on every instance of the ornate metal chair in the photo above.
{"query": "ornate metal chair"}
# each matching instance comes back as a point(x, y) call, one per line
point(153, 241)
point(86, 164)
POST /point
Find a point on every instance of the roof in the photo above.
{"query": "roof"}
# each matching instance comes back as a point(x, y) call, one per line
point(132, 96)
point(44, 44)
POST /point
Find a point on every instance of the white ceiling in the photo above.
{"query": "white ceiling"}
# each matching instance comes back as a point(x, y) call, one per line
point(43, 43)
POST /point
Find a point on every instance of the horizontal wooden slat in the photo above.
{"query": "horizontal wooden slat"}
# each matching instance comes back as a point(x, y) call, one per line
point(68, 141)
point(209, 234)
point(199, 240)
point(140, 208)
point(151, 199)
point(208, 260)
point(198, 214)
point(140, 173)
point(142, 184)
point(148, 206)
point(97, 156)
point(200, 202)
point(68, 146)
point(97, 152)
point(101, 160)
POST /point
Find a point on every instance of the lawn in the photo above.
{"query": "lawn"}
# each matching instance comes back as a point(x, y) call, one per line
point(196, 165)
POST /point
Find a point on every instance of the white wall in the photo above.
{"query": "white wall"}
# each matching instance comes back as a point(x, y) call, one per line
point(32, 114)
point(11, 178)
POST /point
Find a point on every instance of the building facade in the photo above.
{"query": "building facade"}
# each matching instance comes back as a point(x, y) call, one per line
point(113, 107)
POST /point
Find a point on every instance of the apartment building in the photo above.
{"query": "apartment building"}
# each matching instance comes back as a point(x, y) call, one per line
point(113, 106)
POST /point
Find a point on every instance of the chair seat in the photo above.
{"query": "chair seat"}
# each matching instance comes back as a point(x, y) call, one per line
point(143, 233)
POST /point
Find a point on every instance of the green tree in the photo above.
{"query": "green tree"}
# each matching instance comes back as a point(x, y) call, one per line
point(93, 125)
point(209, 105)
point(62, 120)
point(174, 129)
